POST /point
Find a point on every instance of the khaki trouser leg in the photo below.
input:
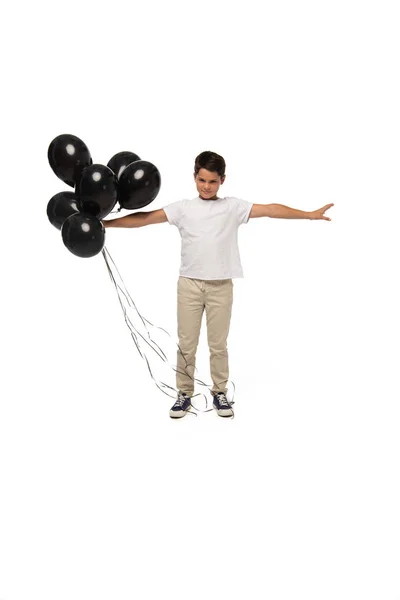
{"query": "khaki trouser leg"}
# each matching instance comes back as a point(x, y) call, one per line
point(191, 293)
point(218, 305)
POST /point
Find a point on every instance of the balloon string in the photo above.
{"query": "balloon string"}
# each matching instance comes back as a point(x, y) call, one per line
point(133, 330)
point(125, 298)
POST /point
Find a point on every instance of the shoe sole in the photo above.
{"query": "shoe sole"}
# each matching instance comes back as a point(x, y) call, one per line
point(174, 414)
point(227, 412)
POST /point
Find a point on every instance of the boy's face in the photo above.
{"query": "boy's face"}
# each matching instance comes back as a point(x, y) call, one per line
point(207, 183)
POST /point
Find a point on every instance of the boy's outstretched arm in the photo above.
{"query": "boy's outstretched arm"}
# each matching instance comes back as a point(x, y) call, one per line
point(279, 211)
point(139, 219)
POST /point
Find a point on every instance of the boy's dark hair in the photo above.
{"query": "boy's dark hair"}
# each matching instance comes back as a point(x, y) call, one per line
point(210, 161)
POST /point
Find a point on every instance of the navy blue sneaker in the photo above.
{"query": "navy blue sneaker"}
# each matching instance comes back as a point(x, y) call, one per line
point(222, 405)
point(181, 406)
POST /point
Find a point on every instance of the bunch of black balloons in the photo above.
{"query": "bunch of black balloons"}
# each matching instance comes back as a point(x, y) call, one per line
point(127, 180)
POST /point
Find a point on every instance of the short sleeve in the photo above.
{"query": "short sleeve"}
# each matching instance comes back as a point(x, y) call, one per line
point(174, 212)
point(243, 208)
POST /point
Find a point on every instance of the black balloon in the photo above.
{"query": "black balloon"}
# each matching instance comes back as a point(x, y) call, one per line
point(97, 191)
point(138, 185)
point(60, 207)
point(68, 157)
point(120, 161)
point(83, 235)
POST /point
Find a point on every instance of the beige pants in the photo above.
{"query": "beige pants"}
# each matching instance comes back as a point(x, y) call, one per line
point(216, 297)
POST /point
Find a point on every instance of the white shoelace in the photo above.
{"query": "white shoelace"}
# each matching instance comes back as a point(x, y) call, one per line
point(223, 400)
point(180, 400)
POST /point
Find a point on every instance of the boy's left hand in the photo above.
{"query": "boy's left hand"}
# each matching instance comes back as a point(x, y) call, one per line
point(319, 214)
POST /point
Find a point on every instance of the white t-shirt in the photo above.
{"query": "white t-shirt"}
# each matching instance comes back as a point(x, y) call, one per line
point(209, 232)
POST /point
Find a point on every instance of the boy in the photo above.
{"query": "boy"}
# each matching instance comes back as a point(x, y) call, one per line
point(208, 225)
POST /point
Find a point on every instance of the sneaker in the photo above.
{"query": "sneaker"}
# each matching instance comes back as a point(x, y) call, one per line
point(181, 406)
point(222, 405)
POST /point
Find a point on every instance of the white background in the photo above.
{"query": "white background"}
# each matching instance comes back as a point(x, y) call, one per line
point(102, 495)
